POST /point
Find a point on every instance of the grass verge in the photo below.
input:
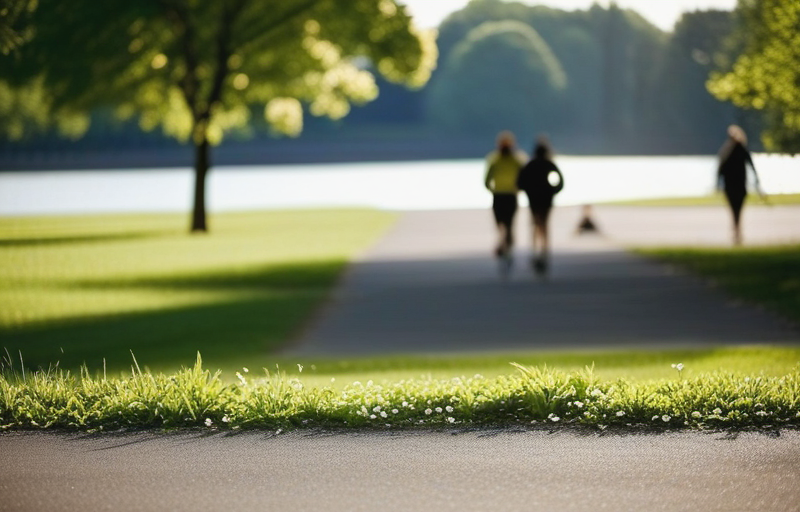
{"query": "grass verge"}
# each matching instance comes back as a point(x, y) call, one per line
point(89, 289)
point(195, 397)
point(711, 200)
point(766, 276)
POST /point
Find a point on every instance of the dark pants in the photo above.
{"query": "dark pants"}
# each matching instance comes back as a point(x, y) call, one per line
point(504, 207)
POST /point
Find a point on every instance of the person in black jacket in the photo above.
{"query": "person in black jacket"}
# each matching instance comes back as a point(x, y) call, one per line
point(732, 175)
point(536, 180)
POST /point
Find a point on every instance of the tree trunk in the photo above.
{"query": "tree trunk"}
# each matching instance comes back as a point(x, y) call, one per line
point(201, 164)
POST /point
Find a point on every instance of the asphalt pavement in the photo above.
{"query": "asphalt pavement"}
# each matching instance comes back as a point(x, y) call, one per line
point(432, 286)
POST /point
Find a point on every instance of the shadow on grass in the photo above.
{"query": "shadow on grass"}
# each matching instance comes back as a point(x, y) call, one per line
point(81, 239)
point(261, 309)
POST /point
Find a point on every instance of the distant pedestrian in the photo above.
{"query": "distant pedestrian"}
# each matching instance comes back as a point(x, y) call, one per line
point(732, 175)
point(541, 180)
point(502, 167)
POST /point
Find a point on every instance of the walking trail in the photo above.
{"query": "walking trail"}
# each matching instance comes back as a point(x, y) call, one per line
point(431, 285)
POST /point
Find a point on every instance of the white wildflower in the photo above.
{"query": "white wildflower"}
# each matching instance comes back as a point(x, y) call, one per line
point(428, 412)
point(226, 419)
point(377, 408)
point(372, 416)
point(761, 413)
point(596, 392)
point(450, 419)
point(654, 418)
point(438, 409)
point(245, 369)
point(404, 404)
point(665, 418)
point(552, 417)
point(620, 413)
point(448, 408)
point(300, 367)
point(209, 422)
point(717, 411)
point(383, 414)
point(696, 414)
point(579, 405)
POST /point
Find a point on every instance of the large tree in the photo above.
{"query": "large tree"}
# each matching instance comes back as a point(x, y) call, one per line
point(766, 75)
point(199, 68)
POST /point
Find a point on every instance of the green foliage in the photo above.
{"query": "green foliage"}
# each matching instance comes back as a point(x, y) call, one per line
point(186, 66)
point(766, 76)
point(193, 397)
point(89, 289)
point(500, 76)
point(768, 276)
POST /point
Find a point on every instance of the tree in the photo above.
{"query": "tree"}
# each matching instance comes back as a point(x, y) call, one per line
point(766, 75)
point(501, 76)
point(197, 68)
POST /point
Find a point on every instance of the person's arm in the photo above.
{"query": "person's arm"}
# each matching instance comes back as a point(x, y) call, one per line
point(560, 185)
point(757, 182)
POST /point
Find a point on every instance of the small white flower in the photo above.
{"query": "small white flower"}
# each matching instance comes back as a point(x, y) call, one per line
point(654, 418)
point(377, 408)
point(717, 411)
point(395, 411)
point(448, 408)
point(679, 366)
point(245, 369)
point(226, 419)
point(665, 418)
point(620, 413)
point(451, 419)
point(428, 412)
point(333, 379)
point(761, 413)
point(438, 409)
point(747, 379)
point(552, 417)
point(696, 414)
point(404, 404)
point(596, 392)
point(383, 414)
point(208, 422)
point(674, 365)
point(300, 367)
point(372, 416)
point(579, 405)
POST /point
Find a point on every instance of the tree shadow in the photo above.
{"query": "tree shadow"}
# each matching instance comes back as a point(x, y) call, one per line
point(81, 239)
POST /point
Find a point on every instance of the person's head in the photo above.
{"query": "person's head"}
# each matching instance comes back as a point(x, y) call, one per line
point(542, 148)
point(505, 142)
point(736, 134)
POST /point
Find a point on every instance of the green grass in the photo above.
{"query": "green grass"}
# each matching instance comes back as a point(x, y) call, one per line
point(197, 398)
point(89, 289)
point(711, 200)
point(766, 276)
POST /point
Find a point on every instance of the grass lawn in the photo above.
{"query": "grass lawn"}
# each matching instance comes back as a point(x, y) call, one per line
point(86, 289)
point(717, 199)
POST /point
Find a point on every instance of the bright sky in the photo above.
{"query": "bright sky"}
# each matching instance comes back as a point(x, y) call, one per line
point(661, 13)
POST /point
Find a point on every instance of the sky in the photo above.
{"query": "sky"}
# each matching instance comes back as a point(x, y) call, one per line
point(661, 13)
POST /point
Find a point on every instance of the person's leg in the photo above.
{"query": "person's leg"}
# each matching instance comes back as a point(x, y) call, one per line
point(736, 202)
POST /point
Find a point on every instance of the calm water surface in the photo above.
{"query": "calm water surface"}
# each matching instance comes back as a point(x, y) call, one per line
point(448, 184)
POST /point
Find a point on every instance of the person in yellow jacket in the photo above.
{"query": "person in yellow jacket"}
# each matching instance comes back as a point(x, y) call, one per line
point(502, 168)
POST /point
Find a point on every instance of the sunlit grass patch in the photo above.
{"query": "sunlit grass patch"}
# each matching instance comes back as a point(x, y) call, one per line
point(86, 289)
point(196, 398)
point(717, 199)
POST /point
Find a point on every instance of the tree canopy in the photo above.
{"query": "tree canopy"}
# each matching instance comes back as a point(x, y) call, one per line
point(501, 76)
point(766, 76)
point(199, 69)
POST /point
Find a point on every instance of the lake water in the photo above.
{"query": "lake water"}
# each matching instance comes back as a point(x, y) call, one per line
point(424, 185)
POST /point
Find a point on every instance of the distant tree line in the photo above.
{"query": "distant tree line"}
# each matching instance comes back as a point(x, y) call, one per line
point(602, 80)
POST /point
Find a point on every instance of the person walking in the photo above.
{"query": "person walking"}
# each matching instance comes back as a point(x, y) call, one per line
point(732, 175)
point(536, 179)
point(502, 167)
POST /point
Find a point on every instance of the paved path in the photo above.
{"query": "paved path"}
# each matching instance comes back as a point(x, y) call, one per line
point(443, 471)
point(431, 286)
